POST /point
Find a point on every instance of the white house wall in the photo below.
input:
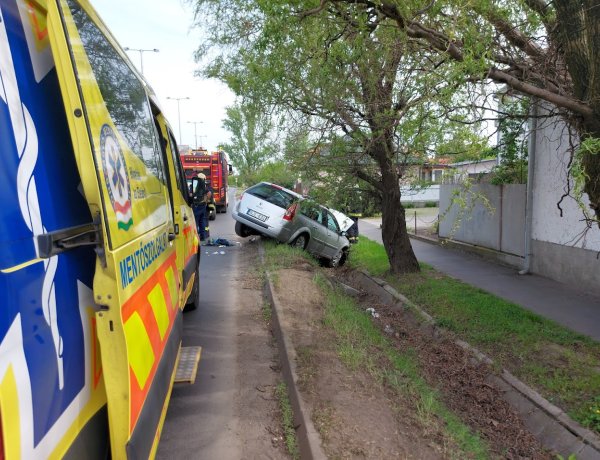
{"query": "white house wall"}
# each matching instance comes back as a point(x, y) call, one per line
point(474, 167)
point(420, 195)
point(562, 247)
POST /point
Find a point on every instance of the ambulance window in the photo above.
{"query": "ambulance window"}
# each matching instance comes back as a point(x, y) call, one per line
point(123, 94)
point(164, 162)
point(181, 183)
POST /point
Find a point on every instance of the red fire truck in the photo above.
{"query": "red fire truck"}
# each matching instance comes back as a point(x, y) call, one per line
point(215, 168)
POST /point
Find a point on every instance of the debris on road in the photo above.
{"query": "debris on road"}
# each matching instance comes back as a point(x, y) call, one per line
point(221, 242)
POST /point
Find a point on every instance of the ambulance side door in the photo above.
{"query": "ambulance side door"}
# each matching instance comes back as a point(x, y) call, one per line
point(125, 183)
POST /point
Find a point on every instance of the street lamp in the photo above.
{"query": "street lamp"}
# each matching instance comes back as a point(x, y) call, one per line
point(196, 123)
point(141, 51)
point(178, 99)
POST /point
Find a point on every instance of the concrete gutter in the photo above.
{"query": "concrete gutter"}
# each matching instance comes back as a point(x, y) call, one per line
point(548, 423)
point(308, 437)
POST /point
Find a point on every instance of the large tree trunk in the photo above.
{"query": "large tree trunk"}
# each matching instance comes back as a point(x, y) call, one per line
point(578, 33)
point(393, 230)
point(395, 237)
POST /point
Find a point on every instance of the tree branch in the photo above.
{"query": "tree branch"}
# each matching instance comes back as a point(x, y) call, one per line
point(560, 101)
point(357, 172)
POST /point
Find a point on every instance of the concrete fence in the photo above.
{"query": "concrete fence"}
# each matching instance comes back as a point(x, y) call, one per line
point(499, 226)
point(420, 195)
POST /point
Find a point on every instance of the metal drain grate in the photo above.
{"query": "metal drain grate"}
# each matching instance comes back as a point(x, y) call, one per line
point(189, 357)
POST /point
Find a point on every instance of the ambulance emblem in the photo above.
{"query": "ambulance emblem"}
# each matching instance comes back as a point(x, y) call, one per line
point(116, 177)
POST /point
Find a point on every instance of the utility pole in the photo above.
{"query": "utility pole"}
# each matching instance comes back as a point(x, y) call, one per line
point(178, 99)
point(141, 51)
point(196, 123)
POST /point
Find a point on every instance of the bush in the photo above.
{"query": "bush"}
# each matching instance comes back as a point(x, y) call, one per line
point(514, 172)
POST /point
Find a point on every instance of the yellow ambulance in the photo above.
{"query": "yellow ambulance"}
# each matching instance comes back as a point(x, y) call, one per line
point(98, 244)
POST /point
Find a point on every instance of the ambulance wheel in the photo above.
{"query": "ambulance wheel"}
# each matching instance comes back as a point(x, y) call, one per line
point(194, 298)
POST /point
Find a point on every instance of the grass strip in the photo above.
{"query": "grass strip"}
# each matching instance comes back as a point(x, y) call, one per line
point(287, 416)
point(362, 345)
point(562, 365)
point(278, 256)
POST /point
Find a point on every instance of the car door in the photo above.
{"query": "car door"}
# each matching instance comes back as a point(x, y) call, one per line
point(331, 241)
point(124, 181)
point(51, 382)
point(312, 215)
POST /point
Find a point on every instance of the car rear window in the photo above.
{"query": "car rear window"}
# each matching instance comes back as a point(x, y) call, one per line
point(273, 195)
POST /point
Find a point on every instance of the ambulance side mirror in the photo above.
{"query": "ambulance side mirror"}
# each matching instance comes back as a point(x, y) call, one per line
point(230, 169)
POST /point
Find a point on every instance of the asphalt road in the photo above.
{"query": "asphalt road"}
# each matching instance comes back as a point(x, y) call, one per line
point(200, 420)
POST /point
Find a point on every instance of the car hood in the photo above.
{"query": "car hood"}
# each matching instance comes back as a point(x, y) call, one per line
point(344, 221)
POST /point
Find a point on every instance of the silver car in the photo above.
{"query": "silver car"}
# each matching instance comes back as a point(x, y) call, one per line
point(270, 210)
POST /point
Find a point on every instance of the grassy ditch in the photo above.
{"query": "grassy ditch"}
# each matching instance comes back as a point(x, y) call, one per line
point(287, 420)
point(562, 365)
point(360, 344)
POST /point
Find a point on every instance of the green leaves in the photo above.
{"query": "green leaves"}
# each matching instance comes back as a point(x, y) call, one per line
point(251, 142)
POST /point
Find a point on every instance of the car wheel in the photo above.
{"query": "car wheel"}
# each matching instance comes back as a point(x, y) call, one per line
point(241, 230)
point(301, 241)
point(339, 259)
point(193, 299)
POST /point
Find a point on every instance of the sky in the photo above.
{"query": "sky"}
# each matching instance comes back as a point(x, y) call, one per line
point(166, 26)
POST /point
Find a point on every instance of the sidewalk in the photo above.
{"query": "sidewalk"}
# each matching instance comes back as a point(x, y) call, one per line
point(551, 299)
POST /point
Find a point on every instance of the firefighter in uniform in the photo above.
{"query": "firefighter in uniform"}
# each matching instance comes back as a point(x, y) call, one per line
point(352, 232)
point(354, 211)
point(202, 196)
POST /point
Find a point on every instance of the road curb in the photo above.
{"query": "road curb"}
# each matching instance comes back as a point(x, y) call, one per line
point(502, 258)
point(548, 423)
point(309, 441)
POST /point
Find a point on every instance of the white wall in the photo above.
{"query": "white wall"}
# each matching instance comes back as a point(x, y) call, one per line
point(550, 183)
point(562, 247)
point(409, 195)
point(476, 167)
point(500, 227)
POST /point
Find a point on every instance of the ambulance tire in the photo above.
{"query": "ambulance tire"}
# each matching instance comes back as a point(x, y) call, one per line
point(193, 299)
